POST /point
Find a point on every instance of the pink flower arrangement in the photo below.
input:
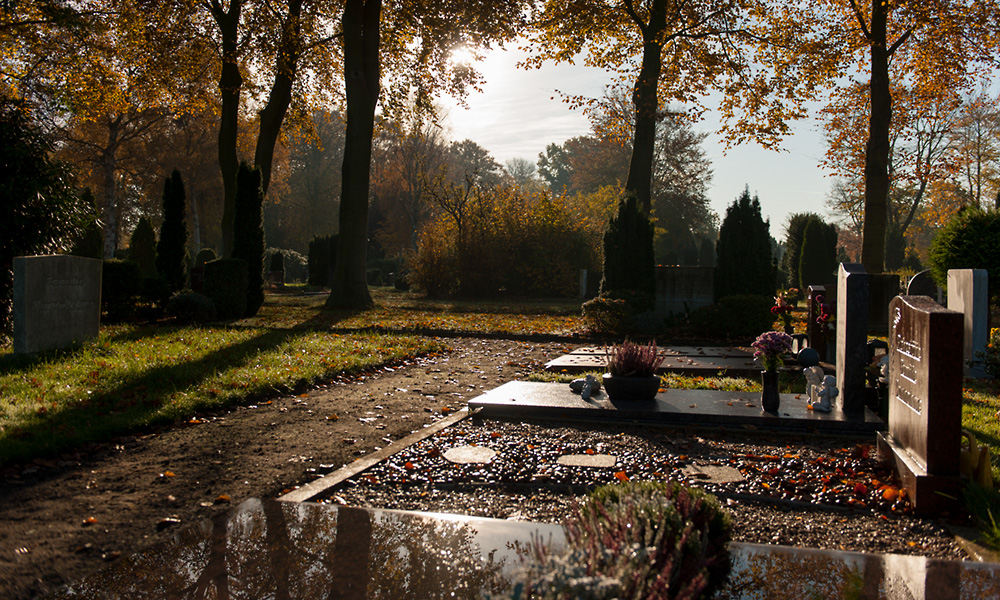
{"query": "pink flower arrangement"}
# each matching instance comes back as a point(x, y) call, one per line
point(771, 347)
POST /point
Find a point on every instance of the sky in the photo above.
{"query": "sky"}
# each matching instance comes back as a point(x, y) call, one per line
point(518, 113)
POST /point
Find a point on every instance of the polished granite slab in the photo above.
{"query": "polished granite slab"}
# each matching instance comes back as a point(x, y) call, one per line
point(721, 351)
point(272, 549)
point(524, 399)
point(694, 365)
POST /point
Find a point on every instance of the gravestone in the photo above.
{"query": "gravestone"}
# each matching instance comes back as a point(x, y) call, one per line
point(968, 294)
point(923, 284)
point(852, 336)
point(925, 401)
point(57, 301)
point(818, 339)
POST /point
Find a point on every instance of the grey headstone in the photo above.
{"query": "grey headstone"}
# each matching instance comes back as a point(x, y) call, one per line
point(466, 455)
point(57, 302)
point(588, 460)
point(968, 294)
point(925, 382)
point(923, 284)
point(852, 335)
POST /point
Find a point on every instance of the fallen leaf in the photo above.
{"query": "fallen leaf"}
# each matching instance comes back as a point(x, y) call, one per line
point(621, 476)
point(169, 474)
point(89, 521)
point(589, 451)
point(222, 498)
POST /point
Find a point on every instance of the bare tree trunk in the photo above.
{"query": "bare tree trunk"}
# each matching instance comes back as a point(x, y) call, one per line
point(280, 97)
point(361, 20)
point(646, 101)
point(230, 85)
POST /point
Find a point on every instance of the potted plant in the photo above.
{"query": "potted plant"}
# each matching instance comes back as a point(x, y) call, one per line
point(770, 347)
point(632, 371)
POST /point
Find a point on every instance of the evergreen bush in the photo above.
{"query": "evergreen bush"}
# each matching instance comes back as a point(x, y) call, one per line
point(628, 256)
point(743, 253)
point(818, 254)
point(204, 255)
point(277, 262)
point(121, 285)
point(322, 258)
point(90, 244)
point(191, 307)
point(604, 315)
point(794, 230)
point(225, 285)
point(41, 211)
point(248, 233)
point(971, 240)
point(142, 247)
point(171, 250)
point(732, 317)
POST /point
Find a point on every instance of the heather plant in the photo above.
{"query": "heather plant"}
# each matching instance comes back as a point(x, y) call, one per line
point(636, 540)
point(629, 359)
point(770, 347)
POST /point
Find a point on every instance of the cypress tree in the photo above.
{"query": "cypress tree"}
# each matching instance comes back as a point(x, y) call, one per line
point(142, 247)
point(743, 253)
point(628, 256)
point(818, 255)
point(248, 233)
point(171, 250)
point(794, 230)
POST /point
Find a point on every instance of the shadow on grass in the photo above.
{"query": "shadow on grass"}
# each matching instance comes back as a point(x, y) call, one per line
point(135, 403)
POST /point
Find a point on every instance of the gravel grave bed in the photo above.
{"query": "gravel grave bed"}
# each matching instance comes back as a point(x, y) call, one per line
point(809, 491)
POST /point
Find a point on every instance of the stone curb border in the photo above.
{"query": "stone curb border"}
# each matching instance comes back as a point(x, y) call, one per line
point(319, 486)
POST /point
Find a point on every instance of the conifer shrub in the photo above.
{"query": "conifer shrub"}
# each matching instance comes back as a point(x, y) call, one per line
point(277, 262)
point(971, 240)
point(741, 316)
point(204, 255)
point(322, 258)
point(605, 315)
point(171, 250)
point(225, 285)
point(248, 233)
point(191, 307)
point(818, 254)
point(142, 247)
point(121, 285)
point(628, 257)
point(743, 253)
point(636, 540)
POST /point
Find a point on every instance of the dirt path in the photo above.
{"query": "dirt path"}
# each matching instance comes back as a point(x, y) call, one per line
point(61, 519)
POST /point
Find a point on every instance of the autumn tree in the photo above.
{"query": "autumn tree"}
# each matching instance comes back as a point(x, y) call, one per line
point(937, 46)
point(413, 57)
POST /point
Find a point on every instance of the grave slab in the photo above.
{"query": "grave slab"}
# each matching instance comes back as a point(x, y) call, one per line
point(337, 551)
point(925, 401)
point(968, 293)
point(525, 399)
point(695, 351)
point(737, 363)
